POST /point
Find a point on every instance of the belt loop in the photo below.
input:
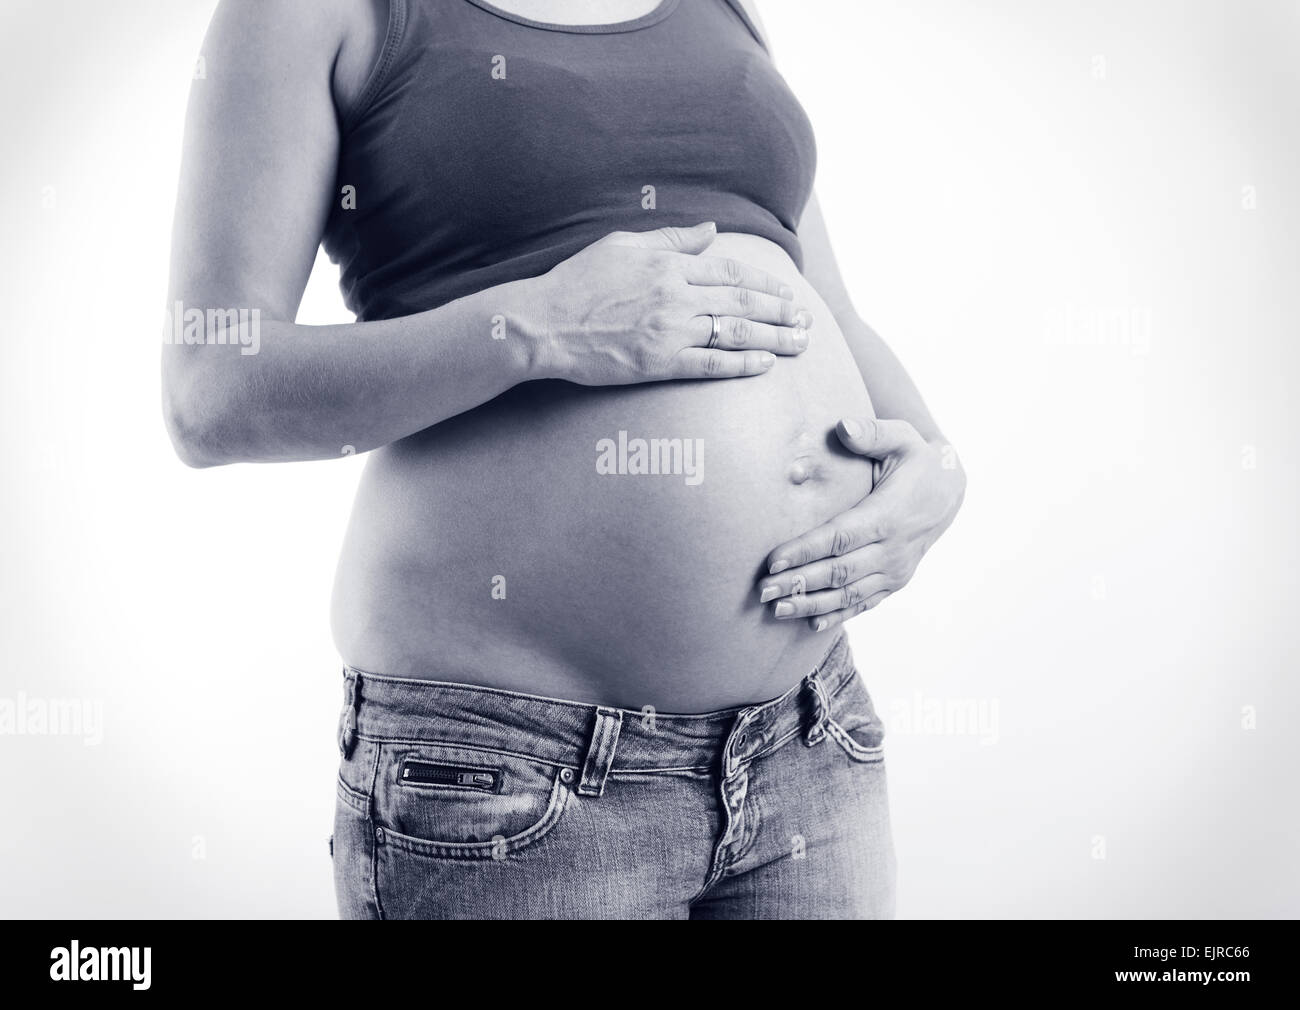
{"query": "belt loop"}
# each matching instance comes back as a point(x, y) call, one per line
point(821, 710)
point(735, 742)
point(600, 752)
point(348, 718)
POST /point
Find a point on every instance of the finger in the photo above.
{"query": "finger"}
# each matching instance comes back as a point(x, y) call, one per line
point(748, 304)
point(691, 240)
point(825, 622)
point(876, 436)
point(736, 334)
point(718, 271)
point(830, 573)
point(713, 363)
point(856, 528)
point(828, 601)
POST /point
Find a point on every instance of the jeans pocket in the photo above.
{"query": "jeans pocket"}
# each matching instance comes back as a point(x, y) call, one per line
point(452, 801)
point(854, 724)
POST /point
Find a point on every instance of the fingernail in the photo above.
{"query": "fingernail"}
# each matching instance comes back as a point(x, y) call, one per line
point(800, 337)
point(766, 360)
point(851, 427)
point(770, 593)
point(784, 609)
point(819, 624)
point(803, 318)
point(779, 565)
point(787, 292)
point(711, 225)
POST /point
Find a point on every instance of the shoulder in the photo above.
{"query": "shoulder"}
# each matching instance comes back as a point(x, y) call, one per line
point(263, 24)
point(339, 40)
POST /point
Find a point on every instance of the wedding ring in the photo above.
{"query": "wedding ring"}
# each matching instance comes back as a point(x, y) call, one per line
point(717, 330)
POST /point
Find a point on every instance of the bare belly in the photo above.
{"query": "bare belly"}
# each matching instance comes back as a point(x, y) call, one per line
point(519, 546)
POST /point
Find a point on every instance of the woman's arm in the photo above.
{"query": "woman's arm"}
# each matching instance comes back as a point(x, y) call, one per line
point(855, 561)
point(860, 557)
point(893, 393)
point(257, 178)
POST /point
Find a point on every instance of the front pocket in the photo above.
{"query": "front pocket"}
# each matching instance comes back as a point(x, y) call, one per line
point(460, 802)
point(854, 724)
point(856, 750)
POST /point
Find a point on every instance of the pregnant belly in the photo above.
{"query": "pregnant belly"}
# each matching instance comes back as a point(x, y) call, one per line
point(603, 544)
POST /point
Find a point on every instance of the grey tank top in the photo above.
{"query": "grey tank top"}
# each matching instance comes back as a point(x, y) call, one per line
point(487, 147)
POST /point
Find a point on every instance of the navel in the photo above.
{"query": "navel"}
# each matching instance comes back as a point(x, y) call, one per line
point(800, 470)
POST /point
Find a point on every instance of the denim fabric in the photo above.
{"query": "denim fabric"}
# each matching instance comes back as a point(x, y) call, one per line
point(466, 802)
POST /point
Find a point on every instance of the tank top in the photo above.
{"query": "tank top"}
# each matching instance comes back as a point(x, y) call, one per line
point(486, 147)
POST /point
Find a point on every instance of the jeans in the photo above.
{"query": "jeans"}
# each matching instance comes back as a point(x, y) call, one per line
point(457, 801)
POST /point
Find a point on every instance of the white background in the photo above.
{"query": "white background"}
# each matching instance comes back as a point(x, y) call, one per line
point(1076, 223)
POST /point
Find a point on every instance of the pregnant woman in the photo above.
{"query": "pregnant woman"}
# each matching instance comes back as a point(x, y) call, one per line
point(626, 477)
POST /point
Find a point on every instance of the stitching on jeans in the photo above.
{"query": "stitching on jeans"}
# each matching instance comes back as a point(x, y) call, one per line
point(753, 825)
point(845, 683)
point(864, 755)
point(370, 839)
point(716, 870)
point(524, 756)
point(550, 763)
point(772, 748)
point(467, 746)
point(359, 802)
point(600, 753)
point(559, 801)
point(674, 770)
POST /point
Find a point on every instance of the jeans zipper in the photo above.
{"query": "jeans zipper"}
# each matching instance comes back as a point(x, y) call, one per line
point(428, 773)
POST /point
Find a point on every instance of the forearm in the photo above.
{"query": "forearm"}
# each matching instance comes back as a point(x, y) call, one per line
point(319, 392)
point(895, 396)
point(893, 393)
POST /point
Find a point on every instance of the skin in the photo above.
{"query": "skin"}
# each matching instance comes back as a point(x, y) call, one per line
point(629, 312)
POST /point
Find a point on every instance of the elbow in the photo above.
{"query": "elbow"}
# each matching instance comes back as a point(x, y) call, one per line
point(190, 445)
point(191, 436)
point(194, 417)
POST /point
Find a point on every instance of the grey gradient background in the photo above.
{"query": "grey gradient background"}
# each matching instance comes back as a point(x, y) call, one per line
point(1076, 223)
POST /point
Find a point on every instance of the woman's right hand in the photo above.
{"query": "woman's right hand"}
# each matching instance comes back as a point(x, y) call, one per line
point(635, 307)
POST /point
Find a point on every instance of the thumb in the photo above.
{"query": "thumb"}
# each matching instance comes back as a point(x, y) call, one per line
point(876, 437)
point(683, 240)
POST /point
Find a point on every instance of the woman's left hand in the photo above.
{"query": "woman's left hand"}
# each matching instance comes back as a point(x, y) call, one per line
point(850, 564)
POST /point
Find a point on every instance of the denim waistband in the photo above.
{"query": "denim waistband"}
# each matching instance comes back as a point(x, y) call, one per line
point(593, 740)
